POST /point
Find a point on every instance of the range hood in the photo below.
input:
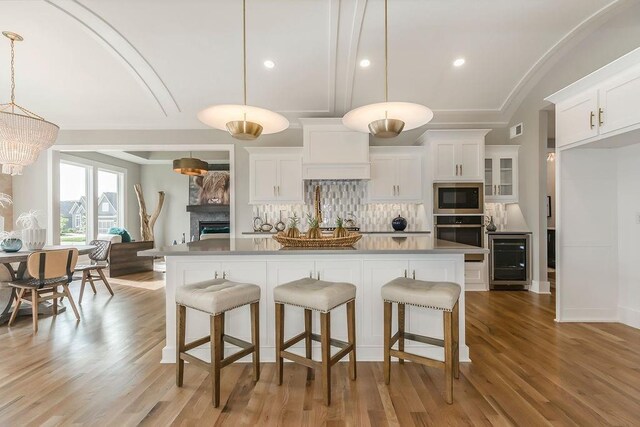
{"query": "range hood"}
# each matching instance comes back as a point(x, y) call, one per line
point(333, 151)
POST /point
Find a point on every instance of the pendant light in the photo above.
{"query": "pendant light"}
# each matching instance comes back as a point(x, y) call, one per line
point(190, 166)
point(243, 122)
point(23, 134)
point(387, 119)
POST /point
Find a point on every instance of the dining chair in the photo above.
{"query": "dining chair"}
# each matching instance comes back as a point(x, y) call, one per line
point(48, 270)
point(99, 261)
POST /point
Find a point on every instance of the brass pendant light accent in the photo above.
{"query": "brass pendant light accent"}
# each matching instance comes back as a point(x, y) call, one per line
point(233, 118)
point(387, 119)
point(23, 134)
point(190, 166)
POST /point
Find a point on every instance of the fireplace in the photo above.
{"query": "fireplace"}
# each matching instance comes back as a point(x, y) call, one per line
point(214, 229)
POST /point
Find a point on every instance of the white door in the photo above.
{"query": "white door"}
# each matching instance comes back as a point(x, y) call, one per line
point(289, 187)
point(383, 183)
point(409, 173)
point(619, 101)
point(264, 179)
point(470, 158)
point(445, 162)
point(576, 118)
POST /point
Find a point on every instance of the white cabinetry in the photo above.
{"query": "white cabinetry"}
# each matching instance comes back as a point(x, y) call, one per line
point(275, 175)
point(602, 104)
point(458, 155)
point(501, 173)
point(396, 174)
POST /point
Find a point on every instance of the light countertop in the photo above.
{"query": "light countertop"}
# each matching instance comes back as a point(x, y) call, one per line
point(511, 230)
point(399, 233)
point(369, 244)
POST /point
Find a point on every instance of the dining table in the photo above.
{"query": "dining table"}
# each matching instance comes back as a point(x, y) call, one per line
point(13, 266)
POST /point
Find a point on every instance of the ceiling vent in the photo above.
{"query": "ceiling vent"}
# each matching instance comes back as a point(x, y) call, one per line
point(516, 130)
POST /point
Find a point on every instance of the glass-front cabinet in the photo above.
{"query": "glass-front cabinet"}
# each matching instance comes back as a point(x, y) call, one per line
point(501, 173)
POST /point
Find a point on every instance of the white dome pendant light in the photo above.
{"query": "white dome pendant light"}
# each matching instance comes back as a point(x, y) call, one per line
point(243, 122)
point(23, 134)
point(387, 119)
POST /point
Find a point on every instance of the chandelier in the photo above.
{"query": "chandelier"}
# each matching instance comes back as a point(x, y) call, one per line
point(23, 134)
point(243, 122)
point(387, 119)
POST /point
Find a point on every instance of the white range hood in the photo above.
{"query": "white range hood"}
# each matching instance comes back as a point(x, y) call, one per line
point(333, 151)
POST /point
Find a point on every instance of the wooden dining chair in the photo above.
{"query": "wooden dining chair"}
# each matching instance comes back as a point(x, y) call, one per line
point(99, 257)
point(48, 270)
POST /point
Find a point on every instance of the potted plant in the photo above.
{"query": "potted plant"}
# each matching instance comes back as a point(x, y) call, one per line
point(33, 236)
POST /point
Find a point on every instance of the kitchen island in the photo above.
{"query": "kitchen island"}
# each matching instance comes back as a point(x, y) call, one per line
point(369, 264)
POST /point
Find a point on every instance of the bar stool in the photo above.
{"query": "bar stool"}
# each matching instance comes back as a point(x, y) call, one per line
point(215, 297)
point(441, 296)
point(317, 295)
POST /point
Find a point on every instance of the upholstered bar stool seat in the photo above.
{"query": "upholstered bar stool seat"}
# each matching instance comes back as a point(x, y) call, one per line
point(322, 296)
point(441, 296)
point(215, 297)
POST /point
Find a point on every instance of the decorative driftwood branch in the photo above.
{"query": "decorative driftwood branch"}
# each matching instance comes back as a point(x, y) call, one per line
point(147, 222)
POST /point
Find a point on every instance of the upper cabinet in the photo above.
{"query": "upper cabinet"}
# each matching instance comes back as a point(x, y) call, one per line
point(458, 155)
point(396, 174)
point(501, 173)
point(275, 175)
point(602, 104)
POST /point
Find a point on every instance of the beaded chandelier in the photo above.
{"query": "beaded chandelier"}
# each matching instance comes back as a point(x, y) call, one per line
point(23, 134)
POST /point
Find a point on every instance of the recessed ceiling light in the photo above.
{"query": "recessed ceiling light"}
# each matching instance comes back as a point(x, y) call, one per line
point(365, 63)
point(459, 62)
point(269, 63)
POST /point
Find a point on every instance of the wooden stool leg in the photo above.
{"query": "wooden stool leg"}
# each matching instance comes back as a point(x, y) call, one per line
point(255, 338)
point(216, 357)
point(325, 338)
point(351, 333)
point(279, 339)
point(104, 280)
point(17, 305)
point(401, 322)
point(387, 342)
point(82, 285)
point(308, 329)
point(181, 318)
point(448, 357)
point(67, 292)
point(55, 301)
point(34, 309)
point(456, 341)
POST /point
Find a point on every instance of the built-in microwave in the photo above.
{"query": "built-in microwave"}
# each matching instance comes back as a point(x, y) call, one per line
point(458, 198)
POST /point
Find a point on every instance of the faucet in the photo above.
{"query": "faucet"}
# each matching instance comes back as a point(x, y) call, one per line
point(317, 206)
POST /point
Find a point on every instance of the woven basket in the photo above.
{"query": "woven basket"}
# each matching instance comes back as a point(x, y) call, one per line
point(324, 242)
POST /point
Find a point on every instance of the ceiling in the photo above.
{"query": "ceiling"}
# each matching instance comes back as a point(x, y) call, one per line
point(153, 64)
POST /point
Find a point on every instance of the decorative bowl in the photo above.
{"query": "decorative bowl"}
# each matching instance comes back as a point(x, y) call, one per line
point(11, 244)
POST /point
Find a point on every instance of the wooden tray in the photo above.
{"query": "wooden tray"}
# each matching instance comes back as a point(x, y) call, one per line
point(324, 242)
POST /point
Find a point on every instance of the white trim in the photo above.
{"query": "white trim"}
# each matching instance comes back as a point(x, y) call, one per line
point(629, 316)
point(540, 287)
point(588, 315)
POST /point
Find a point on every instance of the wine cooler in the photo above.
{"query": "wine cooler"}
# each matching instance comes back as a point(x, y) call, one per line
point(509, 261)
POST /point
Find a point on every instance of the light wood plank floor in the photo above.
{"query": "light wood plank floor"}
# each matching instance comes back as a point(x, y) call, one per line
point(526, 370)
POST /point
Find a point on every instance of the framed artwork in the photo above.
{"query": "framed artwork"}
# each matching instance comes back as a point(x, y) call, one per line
point(210, 189)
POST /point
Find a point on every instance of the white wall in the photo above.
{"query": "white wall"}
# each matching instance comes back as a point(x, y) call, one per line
point(174, 218)
point(30, 189)
point(628, 167)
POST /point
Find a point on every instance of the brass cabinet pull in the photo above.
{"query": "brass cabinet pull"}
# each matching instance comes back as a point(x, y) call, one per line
point(495, 189)
point(413, 276)
point(398, 190)
point(215, 276)
point(460, 169)
point(592, 115)
point(318, 275)
point(405, 272)
point(224, 274)
point(394, 190)
point(274, 190)
point(600, 114)
point(311, 275)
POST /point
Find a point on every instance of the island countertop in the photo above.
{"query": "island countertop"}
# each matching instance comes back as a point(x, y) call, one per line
point(414, 244)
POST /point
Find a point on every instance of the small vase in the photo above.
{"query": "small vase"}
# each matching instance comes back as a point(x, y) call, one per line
point(492, 225)
point(399, 223)
point(11, 244)
point(34, 238)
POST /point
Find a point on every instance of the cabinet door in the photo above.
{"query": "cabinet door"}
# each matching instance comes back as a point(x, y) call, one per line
point(263, 173)
point(381, 187)
point(490, 187)
point(445, 162)
point(576, 118)
point(505, 177)
point(469, 157)
point(619, 100)
point(349, 271)
point(409, 173)
point(289, 187)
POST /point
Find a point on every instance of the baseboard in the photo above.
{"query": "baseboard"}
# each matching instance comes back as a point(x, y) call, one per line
point(475, 287)
point(363, 353)
point(540, 287)
point(588, 315)
point(629, 316)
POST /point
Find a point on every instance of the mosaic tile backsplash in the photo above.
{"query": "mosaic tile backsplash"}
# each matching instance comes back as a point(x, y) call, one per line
point(345, 199)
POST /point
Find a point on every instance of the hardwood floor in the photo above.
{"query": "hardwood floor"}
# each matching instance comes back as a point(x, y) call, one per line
point(526, 370)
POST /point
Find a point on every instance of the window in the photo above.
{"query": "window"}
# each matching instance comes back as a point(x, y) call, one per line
point(108, 197)
point(73, 203)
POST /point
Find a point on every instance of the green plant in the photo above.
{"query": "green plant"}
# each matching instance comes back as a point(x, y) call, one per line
point(314, 228)
point(340, 231)
point(293, 231)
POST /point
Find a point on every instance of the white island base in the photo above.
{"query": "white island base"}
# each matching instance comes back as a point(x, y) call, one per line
point(368, 271)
